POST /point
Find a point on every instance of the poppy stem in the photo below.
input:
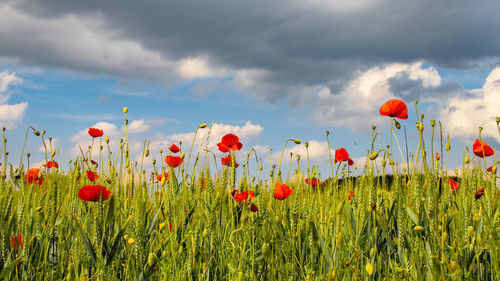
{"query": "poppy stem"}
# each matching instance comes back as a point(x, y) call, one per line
point(22, 149)
point(189, 155)
point(281, 158)
point(329, 153)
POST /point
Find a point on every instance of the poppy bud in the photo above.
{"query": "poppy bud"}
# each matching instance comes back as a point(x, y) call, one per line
point(146, 153)
point(106, 139)
point(203, 125)
point(374, 127)
point(421, 126)
point(456, 171)
point(374, 155)
point(183, 155)
point(327, 133)
point(369, 268)
point(422, 116)
point(494, 169)
point(438, 156)
point(37, 133)
point(125, 110)
point(398, 126)
point(418, 228)
point(447, 146)
point(28, 154)
point(153, 161)
point(163, 180)
point(260, 168)
point(52, 154)
point(467, 159)
point(297, 141)
point(498, 121)
point(480, 129)
point(391, 163)
point(126, 121)
point(43, 132)
point(433, 122)
point(126, 153)
point(416, 102)
point(109, 181)
point(306, 144)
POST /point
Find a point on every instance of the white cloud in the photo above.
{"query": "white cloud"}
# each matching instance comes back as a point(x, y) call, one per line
point(198, 67)
point(318, 151)
point(464, 114)
point(7, 79)
point(360, 101)
point(10, 114)
point(138, 126)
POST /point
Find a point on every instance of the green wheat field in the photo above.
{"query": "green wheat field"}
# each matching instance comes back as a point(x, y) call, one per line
point(107, 218)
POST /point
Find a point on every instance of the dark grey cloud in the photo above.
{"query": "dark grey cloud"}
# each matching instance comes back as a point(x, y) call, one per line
point(406, 88)
point(296, 45)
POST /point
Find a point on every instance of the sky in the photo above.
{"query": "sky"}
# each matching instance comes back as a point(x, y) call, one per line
point(266, 71)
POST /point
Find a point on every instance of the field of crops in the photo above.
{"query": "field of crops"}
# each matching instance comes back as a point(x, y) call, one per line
point(105, 218)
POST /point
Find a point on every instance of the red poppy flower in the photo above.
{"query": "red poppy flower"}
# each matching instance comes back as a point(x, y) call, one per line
point(230, 142)
point(479, 193)
point(19, 239)
point(95, 133)
point(51, 164)
point(453, 184)
point(341, 155)
point(394, 108)
point(254, 208)
point(281, 191)
point(34, 177)
point(244, 196)
point(489, 169)
point(481, 147)
point(174, 148)
point(93, 193)
point(166, 175)
point(92, 176)
point(173, 161)
point(313, 182)
point(226, 161)
point(351, 195)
